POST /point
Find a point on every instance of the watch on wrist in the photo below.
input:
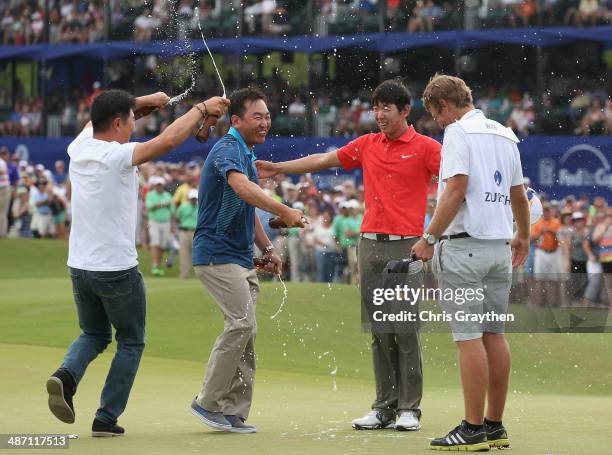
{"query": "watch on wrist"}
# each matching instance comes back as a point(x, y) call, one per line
point(430, 239)
point(268, 249)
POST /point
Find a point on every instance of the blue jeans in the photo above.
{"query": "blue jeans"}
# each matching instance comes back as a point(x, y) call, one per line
point(326, 265)
point(105, 300)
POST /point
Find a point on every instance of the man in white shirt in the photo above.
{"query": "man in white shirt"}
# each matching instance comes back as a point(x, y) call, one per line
point(480, 192)
point(107, 286)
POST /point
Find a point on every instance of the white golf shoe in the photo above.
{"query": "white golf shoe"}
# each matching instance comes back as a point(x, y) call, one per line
point(373, 420)
point(408, 421)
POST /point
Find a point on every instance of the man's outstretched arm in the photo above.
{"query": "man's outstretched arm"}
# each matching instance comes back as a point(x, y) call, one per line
point(179, 130)
point(311, 163)
point(144, 105)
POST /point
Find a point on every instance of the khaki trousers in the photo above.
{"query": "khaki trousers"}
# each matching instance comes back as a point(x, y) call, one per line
point(185, 245)
point(5, 202)
point(228, 383)
point(294, 248)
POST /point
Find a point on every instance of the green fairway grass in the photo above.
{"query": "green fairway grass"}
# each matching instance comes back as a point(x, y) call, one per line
point(314, 372)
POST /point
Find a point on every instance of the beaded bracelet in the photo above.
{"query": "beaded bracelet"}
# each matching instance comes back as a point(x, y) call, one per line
point(204, 113)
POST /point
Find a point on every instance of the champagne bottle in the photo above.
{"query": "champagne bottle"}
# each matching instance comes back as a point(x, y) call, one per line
point(260, 263)
point(277, 223)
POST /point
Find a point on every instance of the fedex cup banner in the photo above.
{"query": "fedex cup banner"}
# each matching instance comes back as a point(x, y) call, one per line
point(556, 165)
point(562, 168)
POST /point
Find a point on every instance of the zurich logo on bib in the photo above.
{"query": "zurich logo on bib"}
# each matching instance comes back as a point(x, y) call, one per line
point(498, 177)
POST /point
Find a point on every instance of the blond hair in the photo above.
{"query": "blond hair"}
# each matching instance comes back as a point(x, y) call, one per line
point(449, 88)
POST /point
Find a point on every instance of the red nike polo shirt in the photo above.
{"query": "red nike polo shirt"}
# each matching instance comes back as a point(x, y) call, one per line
point(396, 176)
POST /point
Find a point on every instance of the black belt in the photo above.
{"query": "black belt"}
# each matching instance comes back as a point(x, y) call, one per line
point(384, 237)
point(461, 235)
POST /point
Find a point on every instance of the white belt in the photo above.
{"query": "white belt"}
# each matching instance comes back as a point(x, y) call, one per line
point(385, 237)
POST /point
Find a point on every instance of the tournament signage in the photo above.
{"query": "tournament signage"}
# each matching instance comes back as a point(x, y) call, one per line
point(577, 169)
point(581, 166)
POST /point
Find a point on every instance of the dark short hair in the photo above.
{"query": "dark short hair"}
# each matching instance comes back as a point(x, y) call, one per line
point(392, 91)
point(109, 105)
point(239, 98)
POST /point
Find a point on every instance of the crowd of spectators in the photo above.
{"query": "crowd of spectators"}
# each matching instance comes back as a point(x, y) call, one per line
point(592, 111)
point(78, 21)
point(69, 21)
point(570, 260)
point(40, 198)
point(24, 121)
point(296, 110)
point(585, 112)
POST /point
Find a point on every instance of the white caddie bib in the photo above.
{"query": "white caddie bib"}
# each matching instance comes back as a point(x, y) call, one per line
point(494, 166)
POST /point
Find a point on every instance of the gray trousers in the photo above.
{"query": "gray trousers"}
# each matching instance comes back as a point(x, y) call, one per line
point(398, 368)
point(228, 384)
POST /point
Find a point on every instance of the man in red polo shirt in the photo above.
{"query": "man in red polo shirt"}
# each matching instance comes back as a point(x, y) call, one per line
point(398, 165)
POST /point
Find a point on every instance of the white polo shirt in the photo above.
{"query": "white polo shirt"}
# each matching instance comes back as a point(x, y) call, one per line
point(486, 152)
point(104, 197)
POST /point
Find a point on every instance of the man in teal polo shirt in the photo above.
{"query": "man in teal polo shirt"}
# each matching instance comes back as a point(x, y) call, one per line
point(159, 206)
point(223, 259)
point(186, 220)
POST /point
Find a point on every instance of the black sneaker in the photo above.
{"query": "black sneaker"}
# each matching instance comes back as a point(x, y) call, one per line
point(462, 439)
point(497, 436)
point(61, 389)
point(101, 429)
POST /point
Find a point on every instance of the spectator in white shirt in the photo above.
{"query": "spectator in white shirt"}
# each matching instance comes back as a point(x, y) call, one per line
point(325, 248)
point(297, 108)
point(144, 26)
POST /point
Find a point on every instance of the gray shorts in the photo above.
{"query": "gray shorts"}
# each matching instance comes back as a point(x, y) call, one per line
point(159, 233)
point(474, 277)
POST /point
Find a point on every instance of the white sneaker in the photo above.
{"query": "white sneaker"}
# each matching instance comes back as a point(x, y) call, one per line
point(408, 421)
point(373, 420)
